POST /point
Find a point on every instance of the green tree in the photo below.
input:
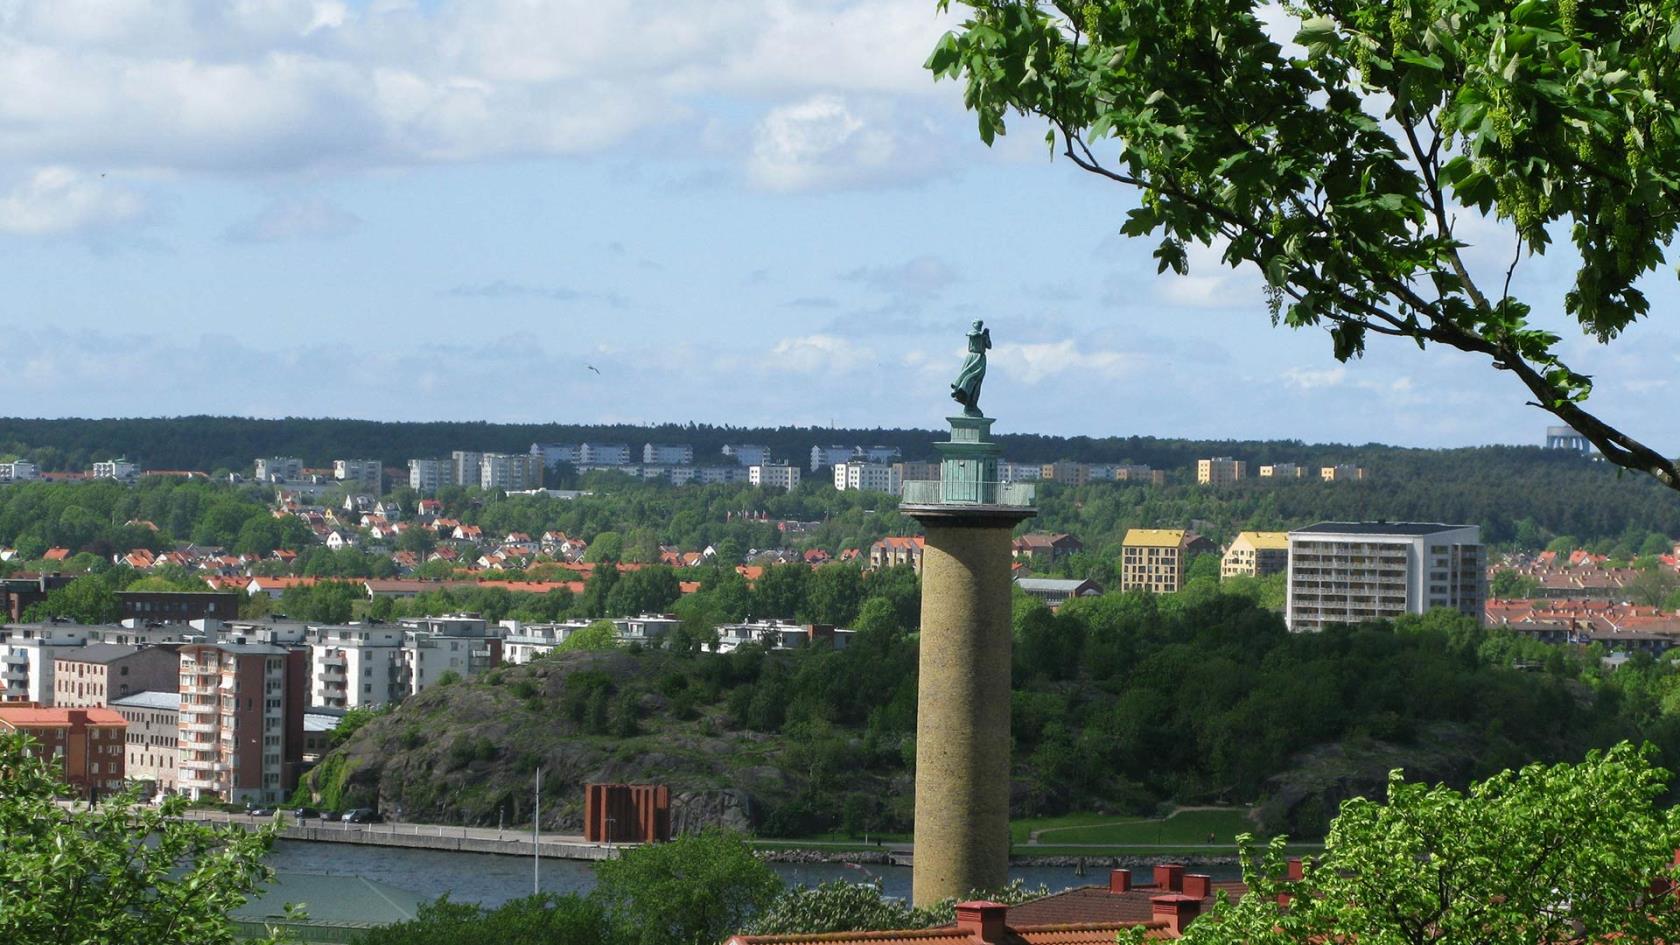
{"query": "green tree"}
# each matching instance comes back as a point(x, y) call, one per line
point(533, 920)
point(1512, 585)
point(696, 890)
point(1546, 117)
point(605, 548)
point(122, 873)
point(88, 599)
point(1567, 852)
point(598, 636)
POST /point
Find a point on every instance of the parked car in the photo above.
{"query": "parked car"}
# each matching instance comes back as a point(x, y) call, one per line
point(304, 813)
point(262, 812)
point(364, 815)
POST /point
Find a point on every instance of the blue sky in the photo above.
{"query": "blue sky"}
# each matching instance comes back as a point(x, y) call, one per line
point(747, 212)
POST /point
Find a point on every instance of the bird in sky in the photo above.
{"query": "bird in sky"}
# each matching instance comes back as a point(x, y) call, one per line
point(593, 368)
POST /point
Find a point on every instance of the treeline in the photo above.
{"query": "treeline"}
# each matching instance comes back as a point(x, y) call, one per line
point(1129, 701)
point(105, 517)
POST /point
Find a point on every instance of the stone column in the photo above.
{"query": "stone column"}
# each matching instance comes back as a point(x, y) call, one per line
point(963, 703)
point(963, 697)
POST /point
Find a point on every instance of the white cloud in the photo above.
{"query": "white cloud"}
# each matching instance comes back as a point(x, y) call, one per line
point(1035, 362)
point(827, 141)
point(59, 200)
point(297, 218)
point(266, 85)
point(1314, 378)
point(819, 354)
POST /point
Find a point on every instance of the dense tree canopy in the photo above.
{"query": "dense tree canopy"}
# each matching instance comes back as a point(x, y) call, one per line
point(1341, 173)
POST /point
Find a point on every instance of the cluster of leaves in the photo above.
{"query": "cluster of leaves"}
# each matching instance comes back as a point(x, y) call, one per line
point(696, 890)
point(860, 907)
point(1576, 852)
point(122, 873)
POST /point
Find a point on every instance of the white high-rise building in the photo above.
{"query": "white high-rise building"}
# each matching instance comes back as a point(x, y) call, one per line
point(668, 454)
point(427, 476)
point(355, 666)
point(779, 476)
point(27, 655)
point(1348, 572)
point(465, 466)
point(830, 456)
point(869, 477)
point(279, 469)
point(364, 475)
point(510, 471)
point(747, 454)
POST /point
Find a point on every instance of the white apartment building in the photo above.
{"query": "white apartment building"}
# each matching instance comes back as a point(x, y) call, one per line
point(427, 476)
point(525, 642)
point(1348, 572)
point(365, 475)
point(152, 752)
point(668, 454)
point(119, 469)
point(355, 666)
point(777, 476)
point(18, 471)
point(27, 655)
point(464, 467)
point(709, 475)
point(507, 471)
point(1341, 472)
point(427, 656)
point(279, 469)
point(777, 635)
point(583, 454)
point(858, 474)
point(1010, 472)
point(830, 456)
point(747, 454)
point(1283, 471)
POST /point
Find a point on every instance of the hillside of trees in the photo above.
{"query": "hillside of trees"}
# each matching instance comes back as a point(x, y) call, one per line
point(1121, 703)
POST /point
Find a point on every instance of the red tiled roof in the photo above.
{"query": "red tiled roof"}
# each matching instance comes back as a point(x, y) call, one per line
point(36, 717)
point(56, 554)
point(1098, 904)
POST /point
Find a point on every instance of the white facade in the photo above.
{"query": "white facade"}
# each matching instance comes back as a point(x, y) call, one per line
point(355, 666)
point(668, 454)
point(879, 454)
point(508, 471)
point(1283, 471)
point(367, 475)
point(1351, 572)
point(427, 476)
point(525, 642)
point(27, 654)
point(152, 753)
point(119, 469)
point(781, 476)
point(18, 471)
point(279, 469)
point(584, 454)
point(830, 456)
point(708, 475)
point(464, 467)
point(868, 477)
point(747, 454)
point(1018, 472)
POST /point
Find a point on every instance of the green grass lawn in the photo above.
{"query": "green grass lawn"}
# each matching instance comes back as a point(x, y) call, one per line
point(1021, 830)
point(1182, 828)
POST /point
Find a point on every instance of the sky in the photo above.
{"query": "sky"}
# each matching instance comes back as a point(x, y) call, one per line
point(742, 211)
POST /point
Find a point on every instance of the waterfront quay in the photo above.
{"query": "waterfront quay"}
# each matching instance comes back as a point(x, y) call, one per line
point(425, 836)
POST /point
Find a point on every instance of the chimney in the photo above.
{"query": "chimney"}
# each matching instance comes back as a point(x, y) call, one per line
point(1119, 881)
point(1294, 876)
point(1198, 885)
point(1176, 910)
point(1169, 877)
point(983, 921)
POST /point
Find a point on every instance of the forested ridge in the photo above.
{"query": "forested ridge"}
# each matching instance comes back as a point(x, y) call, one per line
point(1120, 703)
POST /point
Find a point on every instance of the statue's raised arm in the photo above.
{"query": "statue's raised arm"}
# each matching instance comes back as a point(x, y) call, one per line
point(965, 389)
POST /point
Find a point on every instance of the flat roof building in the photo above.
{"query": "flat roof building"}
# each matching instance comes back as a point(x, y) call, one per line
point(1156, 559)
point(1350, 572)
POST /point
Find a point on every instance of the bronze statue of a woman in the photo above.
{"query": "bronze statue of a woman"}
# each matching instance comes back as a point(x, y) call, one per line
point(966, 389)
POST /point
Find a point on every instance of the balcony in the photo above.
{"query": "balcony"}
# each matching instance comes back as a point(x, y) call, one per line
point(937, 492)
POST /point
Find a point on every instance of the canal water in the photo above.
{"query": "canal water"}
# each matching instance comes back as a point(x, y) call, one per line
point(492, 879)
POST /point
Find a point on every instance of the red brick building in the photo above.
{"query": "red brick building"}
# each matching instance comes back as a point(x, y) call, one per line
point(87, 743)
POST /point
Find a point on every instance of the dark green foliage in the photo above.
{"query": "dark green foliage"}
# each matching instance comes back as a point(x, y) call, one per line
point(533, 920)
point(696, 890)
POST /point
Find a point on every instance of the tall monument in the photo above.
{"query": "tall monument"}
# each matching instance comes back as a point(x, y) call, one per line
point(963, 702)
